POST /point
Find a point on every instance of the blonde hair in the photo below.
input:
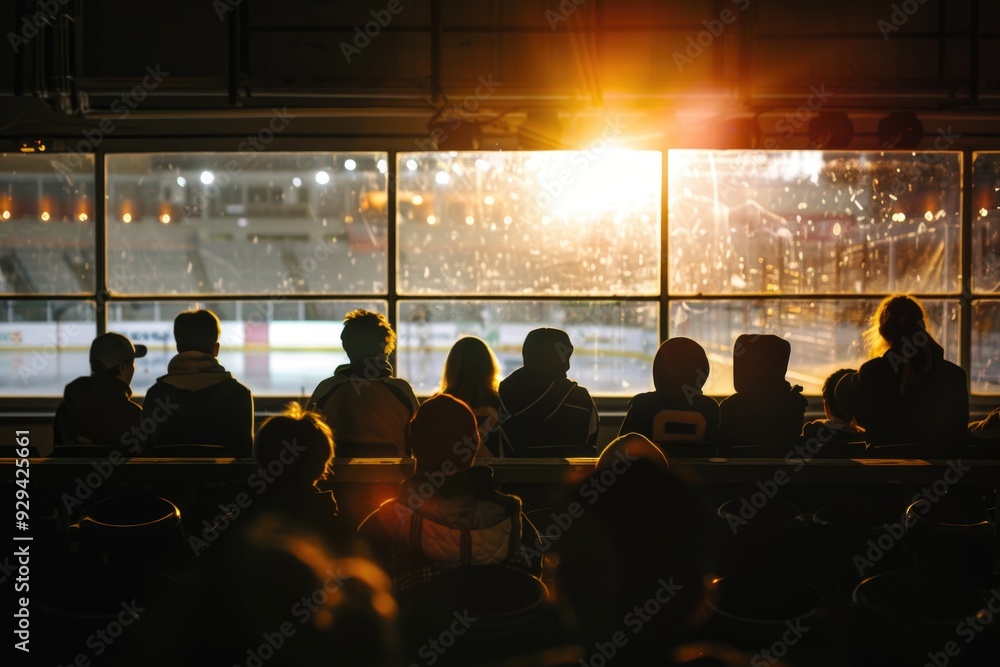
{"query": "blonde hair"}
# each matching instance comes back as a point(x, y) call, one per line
point(471, 372)
point(897, 317)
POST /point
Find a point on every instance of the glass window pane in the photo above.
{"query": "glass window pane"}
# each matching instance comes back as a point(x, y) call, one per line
point(614, 341)
point(813, 222)
point(47, 223)
point(247, 223)
point(507, 223)
point(44, 345)
point(986, 222)
point(984, 376)
point(275, 347)
point(824, 335)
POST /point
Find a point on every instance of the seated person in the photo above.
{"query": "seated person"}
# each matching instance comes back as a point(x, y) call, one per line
point(448, 514)
point(838, 427)
point(98, 409)
point(472, 375)
point(639, 533)
point(908, 393)
point(298, 445)
point(544, 407)
point(201, 402)
point(676, 411)
point(765, 410)
point(362, 402)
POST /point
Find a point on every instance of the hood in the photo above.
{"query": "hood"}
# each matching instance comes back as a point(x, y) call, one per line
point(680, 365)
point(760, 362)
point(193, 371)
point(465, 523)
point(370, 369)
point(547, 352)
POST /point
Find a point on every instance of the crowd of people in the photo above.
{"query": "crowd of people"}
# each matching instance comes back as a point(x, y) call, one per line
point(908, 393)
point(458, 560)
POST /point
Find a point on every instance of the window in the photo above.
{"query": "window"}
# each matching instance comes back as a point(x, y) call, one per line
point(282, 245)
point(798, 241)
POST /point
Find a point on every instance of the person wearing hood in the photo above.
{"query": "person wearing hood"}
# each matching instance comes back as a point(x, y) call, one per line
point(448, 514)
point(677, 411)
point(201, 402)
point(765, 410)
point(98, 409)
point(908, 393)
point(544, 407)
point(361, 402)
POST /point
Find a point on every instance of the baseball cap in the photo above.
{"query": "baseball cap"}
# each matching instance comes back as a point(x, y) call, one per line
point(110, 349)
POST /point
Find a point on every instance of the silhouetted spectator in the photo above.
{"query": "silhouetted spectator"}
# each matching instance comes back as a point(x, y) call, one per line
point(363, 404)
point(765, 410)
point(98, 409)
point(269, 595)
point(676, 411)
point(634, 556)
point(838, 427)
point(296, 449)
point(472, 374)
point(198, 402)
point(908, 392)
point(545, 408)
point(448, 514)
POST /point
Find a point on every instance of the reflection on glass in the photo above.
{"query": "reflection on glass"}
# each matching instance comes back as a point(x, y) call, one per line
point(812, 222)
point(44, 345)
point(984, 375)
point(246, 223)
point(47, 223)
point(553, 222)
point(274, 347)
point(614, 342)
point(824, 335)
point(986, 222)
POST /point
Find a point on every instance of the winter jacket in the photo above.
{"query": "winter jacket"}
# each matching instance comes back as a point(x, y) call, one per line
point(441, 522)
point(547, 411)
point(765, 410)
point(363, 403)
point(98, 409)
point(677, 411)
point(901, 398)
point(198, 402)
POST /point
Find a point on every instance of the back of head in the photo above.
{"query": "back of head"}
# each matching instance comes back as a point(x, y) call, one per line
point(307, 440)
point(367, 335)
point(443, 434)
point(897, 318)
point(197, 331)
point(830, 397)
point(471, 371)
point(631, 447)
point(547, 352)
point(760, 361)
point(680, 362)
point(644, 535)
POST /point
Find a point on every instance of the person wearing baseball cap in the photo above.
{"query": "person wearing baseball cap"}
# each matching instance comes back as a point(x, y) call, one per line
point(98, 409)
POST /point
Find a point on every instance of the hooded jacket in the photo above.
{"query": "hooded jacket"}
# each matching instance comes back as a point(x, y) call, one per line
point(363, 403)
point(544, 407)
point(677, 411)
point(909, 397)
point(766, 409)
point(198, 402)
point(465, 522)
point(96, 409)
